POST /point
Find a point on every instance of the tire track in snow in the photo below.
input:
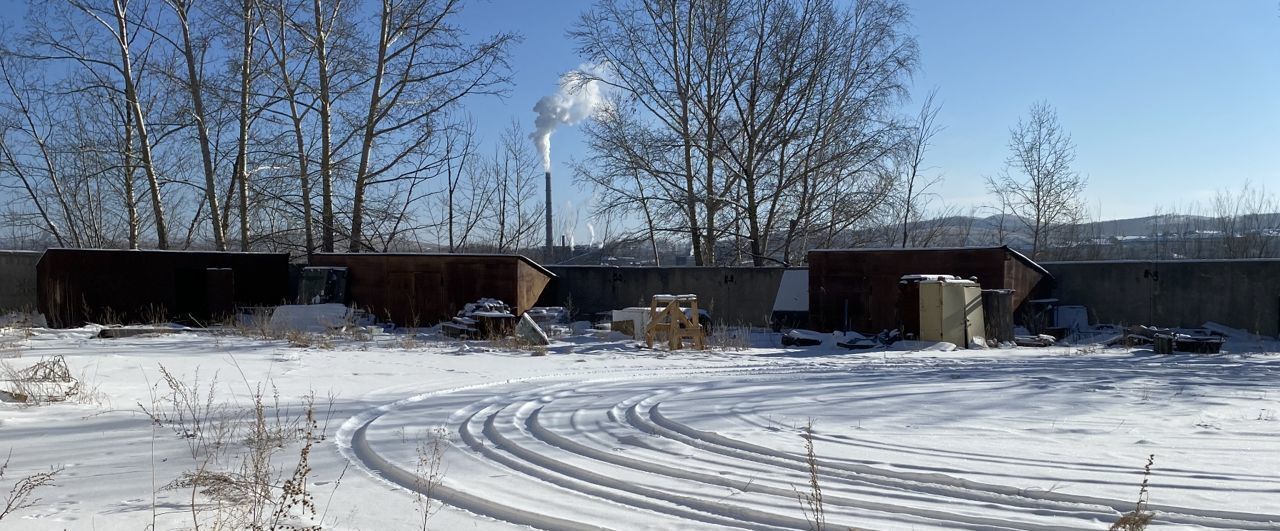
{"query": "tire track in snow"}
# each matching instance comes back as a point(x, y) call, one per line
point(508, 432)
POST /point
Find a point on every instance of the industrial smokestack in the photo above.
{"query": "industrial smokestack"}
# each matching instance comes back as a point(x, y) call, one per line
point(550, 239)
point(579, 94)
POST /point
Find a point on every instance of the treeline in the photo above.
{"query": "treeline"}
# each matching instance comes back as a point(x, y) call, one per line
point(734, 131)
point(299, 125)
point(770, 122)
point(321, 125)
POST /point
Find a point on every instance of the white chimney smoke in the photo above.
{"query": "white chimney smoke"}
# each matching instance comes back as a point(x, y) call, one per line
point(579, 94)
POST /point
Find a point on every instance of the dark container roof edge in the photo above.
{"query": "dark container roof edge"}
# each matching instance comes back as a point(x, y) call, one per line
point(1021, 257)
point(522, 258)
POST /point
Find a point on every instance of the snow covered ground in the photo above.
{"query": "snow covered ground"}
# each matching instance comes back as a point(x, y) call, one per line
point(599, 434)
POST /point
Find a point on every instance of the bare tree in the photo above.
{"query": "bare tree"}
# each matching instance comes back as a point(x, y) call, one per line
point(120, 32)
point(421, 69)
point(756, 119)
point(249, 23)
point(650, 45)
point(94, 63)
point(633, 175)
point(38, 168)
point(327, 18)
point(459, 154)
point(1037, 184)
point(914, 185)
point(288, 62)
point(512, 209)
point(193, 54)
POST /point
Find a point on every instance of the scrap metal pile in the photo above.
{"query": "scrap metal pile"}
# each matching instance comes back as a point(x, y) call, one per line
point(494, 319)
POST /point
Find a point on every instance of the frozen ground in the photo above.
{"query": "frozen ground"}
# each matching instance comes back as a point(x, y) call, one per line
point(599, 434)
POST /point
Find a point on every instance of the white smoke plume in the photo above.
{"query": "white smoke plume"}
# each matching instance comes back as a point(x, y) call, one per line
point(591, 229)
point(569, 222)
point(580, 93)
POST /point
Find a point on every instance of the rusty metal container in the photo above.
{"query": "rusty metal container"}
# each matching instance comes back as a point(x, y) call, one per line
point(858, 289)
point(75, 286)
point(422, 289)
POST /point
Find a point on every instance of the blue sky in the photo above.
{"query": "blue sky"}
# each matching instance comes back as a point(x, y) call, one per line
point(1167, 101)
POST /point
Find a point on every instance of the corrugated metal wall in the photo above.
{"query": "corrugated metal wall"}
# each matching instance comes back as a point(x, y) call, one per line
point(75, 286)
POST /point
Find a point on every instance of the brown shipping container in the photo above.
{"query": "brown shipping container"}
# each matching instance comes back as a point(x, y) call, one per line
point(421, 289)
point(75, 286)
point(859, 290)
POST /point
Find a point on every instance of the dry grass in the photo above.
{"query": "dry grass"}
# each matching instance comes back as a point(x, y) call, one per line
point(260, 491)
point(1140, 517)
point(811, 501)
point(15, 334)
point(22, 495)
point(104, 316)
point(730, 338)
point(428, 472)
point(48, 380)
point(155, 314)
point(300, 339)
point(257, 324)
point(517, 344)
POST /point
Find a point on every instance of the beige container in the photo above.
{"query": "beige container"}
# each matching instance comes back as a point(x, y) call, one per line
point(951, 311)
point(637, 319)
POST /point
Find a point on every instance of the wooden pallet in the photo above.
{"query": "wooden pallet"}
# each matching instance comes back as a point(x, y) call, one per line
point(670, 320)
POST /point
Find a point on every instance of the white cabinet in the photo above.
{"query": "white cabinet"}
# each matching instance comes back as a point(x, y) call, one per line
point(951, 311)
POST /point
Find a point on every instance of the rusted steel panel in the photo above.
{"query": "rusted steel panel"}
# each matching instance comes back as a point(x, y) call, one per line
point(421, 289)
point(532, 282)
point(858, 289)
point(75, 286)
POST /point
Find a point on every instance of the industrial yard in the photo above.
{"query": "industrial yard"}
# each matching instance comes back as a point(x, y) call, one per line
point(596, 433)
point(301, 265)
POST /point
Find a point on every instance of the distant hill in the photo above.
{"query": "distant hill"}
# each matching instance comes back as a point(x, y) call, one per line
point(981, 227)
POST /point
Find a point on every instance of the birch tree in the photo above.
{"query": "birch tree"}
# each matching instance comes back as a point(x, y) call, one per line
point(193, 54)
point(420, 70)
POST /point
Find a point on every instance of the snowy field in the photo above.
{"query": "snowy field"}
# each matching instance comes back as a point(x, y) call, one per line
point(599, 434)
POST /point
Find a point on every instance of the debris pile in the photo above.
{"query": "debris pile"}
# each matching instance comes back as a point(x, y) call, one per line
point(1170, 340)
point(1034, 340)
point(548, 315)
point(483, 319)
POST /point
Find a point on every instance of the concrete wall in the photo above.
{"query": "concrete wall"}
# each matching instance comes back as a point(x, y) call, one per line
point(733, 295)
point(1238, 293)
point(18, 279)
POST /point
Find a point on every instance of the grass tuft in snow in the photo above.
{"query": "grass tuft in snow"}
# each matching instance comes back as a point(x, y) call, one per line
point(15, 333)
point(811, 501)
point(48, 380)
point(262, 491)
point(730, 338)
point(300, 339)
point(22, 493)
point(1140, 516)
point(428, 472)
